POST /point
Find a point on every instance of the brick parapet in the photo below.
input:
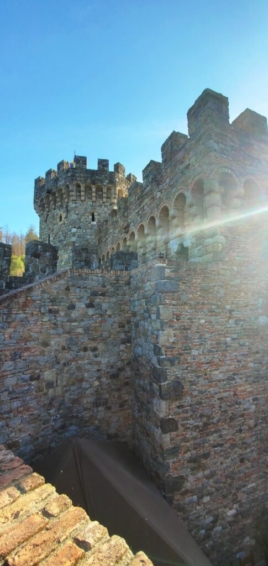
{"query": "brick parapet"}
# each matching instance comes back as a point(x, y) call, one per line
point(38, 526)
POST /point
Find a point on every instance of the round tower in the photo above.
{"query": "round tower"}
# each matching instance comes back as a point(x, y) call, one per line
point(70, 203)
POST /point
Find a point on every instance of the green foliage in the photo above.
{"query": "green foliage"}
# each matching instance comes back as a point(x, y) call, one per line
point(31, 234)
point(17, 265)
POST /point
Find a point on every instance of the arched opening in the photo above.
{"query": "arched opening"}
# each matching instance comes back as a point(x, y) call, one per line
point(151, 235)
point(88, 192)
point(78, 192)
point(198, 209)
point(93, 217)
point(179, 213)
point(251, 193)
point(124, 245)
point(107, 255)
point(118, 247)
point(120, 193)
point(227, 186)
point(99, 194)
point(141, 242)
point(60, 218)
point(114, 213)
point(108, 194)
point(163, 231)
point(132, 242)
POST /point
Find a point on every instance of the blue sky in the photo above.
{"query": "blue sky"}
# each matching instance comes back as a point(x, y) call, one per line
point(112, 78)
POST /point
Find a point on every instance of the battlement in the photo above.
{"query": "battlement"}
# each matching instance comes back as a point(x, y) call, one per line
point(251, 122)
point(210, 108)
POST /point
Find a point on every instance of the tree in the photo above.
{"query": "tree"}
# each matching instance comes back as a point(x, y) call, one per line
point(31, 234)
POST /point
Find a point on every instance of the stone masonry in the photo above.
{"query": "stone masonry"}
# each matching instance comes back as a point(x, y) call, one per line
point(152, 325)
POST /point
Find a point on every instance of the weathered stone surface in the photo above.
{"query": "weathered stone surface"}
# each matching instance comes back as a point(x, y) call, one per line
point(168, 425)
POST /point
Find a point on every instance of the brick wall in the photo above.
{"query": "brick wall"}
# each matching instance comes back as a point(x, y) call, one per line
point(200, 387)
point(65, 360)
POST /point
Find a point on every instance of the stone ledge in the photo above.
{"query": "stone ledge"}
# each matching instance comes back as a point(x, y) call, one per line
point(39, 526)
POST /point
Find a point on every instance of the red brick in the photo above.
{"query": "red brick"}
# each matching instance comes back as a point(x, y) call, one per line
point(67, 555)
point(42, 544)
point(15, 463)
point(57, 505)
point(109, 554)
point(21, 533)
point(8, 477)
point(8, 495)
point(91, 535)
point(30, 482)
point(23, 506)
point(140, 559)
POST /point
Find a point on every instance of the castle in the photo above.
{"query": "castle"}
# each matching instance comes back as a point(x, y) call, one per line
point(145, 318)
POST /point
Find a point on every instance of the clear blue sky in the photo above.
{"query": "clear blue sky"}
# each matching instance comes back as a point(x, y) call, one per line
point(112, 79)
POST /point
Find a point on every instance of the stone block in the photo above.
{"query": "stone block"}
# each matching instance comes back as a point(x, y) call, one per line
point(167, 286)
point(171, 390)
point(168, 425)
point(158, 273)
point(173, 483)
point(165, 337)
point(164, 312)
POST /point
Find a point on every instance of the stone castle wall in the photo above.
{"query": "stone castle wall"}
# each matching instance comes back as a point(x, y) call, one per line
point(65, 361)
point(170, 354)
point(219, 171)
point(72, 200)
point(200, 386)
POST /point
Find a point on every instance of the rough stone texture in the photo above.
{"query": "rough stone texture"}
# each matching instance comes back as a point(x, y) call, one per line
point(65, 360)
point(43, 528)
point(189, 388)
point(5, 261)
point(40, 260)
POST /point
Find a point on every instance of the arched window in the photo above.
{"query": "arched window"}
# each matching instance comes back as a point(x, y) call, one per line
point(151, 237)
point(163, 230)
point(179, 210)
point(118, 247)
point(114, 213)
point(120, 193)
point(124, 245)
point(141, 242)
point(93, 217)
point(132, 242)
point(60, 218)
point(198, 199)
point(108, 194)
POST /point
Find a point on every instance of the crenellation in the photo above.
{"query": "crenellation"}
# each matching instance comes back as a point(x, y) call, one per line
point(210, 109)
point(174, 145)
point(251, 122)
point(152, 327)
